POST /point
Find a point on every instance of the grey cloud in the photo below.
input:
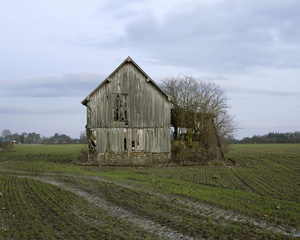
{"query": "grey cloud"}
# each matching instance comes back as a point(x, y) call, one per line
point(13, 109)
point(40, 109)
point(121, 10)
point(265, 92)
point(53, 85)
point(233, 35)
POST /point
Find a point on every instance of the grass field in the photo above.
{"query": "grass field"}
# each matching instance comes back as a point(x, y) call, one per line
point(44, 195)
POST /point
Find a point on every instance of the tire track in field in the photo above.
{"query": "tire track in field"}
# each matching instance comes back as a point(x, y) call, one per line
point(115, 210)
point(208, 210)
point(151, 226)
point(246, 184)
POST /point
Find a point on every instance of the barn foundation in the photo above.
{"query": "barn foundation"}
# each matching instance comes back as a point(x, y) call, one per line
point(133, 158)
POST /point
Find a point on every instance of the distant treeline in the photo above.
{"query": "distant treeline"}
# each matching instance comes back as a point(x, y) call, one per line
point(272, 137)
point(35, 138)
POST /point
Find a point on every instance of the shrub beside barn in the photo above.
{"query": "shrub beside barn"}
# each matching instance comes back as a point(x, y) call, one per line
point(6, 144)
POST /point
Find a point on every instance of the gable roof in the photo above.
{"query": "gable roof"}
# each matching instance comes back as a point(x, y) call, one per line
point(108, 79)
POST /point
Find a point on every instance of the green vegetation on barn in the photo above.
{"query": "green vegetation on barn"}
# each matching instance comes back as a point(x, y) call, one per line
point(44, 195)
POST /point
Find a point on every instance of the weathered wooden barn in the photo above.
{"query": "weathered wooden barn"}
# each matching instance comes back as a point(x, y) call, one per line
point(128, 119)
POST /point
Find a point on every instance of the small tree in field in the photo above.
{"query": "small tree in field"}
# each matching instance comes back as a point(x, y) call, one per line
point(6, 132)
point(199, 112)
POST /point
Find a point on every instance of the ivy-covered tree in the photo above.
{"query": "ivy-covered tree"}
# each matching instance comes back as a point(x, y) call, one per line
point(199, 111)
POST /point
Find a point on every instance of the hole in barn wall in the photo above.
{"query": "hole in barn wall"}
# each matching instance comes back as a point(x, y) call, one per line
point(120, 108)
point(92, 139)
point(132, 140)
point(125, 147)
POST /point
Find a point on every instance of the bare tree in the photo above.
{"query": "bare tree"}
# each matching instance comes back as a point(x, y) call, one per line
point(6, 132)
point(199, 111)
point(83, 138)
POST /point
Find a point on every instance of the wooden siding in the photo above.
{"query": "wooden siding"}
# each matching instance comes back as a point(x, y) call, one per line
point(128, 119)
point(147, 106)
point(137, 140)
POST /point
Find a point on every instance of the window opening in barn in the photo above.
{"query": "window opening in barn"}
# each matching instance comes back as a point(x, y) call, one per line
point(117, 114)
point(125, 148)
point(92, 139)
point(120, 108)
point(116, 107)
point(125, 110)
point(123, 114)
point(132, 140)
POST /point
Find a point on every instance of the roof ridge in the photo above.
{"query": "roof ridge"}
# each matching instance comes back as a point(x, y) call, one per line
point(127, 60)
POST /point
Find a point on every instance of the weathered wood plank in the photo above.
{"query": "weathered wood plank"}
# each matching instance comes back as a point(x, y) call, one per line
point(129, 109)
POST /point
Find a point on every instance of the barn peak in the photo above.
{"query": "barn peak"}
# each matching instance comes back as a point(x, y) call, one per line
point(108, 79)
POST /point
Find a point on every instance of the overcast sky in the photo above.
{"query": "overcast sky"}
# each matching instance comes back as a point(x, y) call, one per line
point(54, 53)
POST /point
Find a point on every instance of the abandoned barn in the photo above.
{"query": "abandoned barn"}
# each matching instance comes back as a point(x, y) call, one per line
point(128, 119)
